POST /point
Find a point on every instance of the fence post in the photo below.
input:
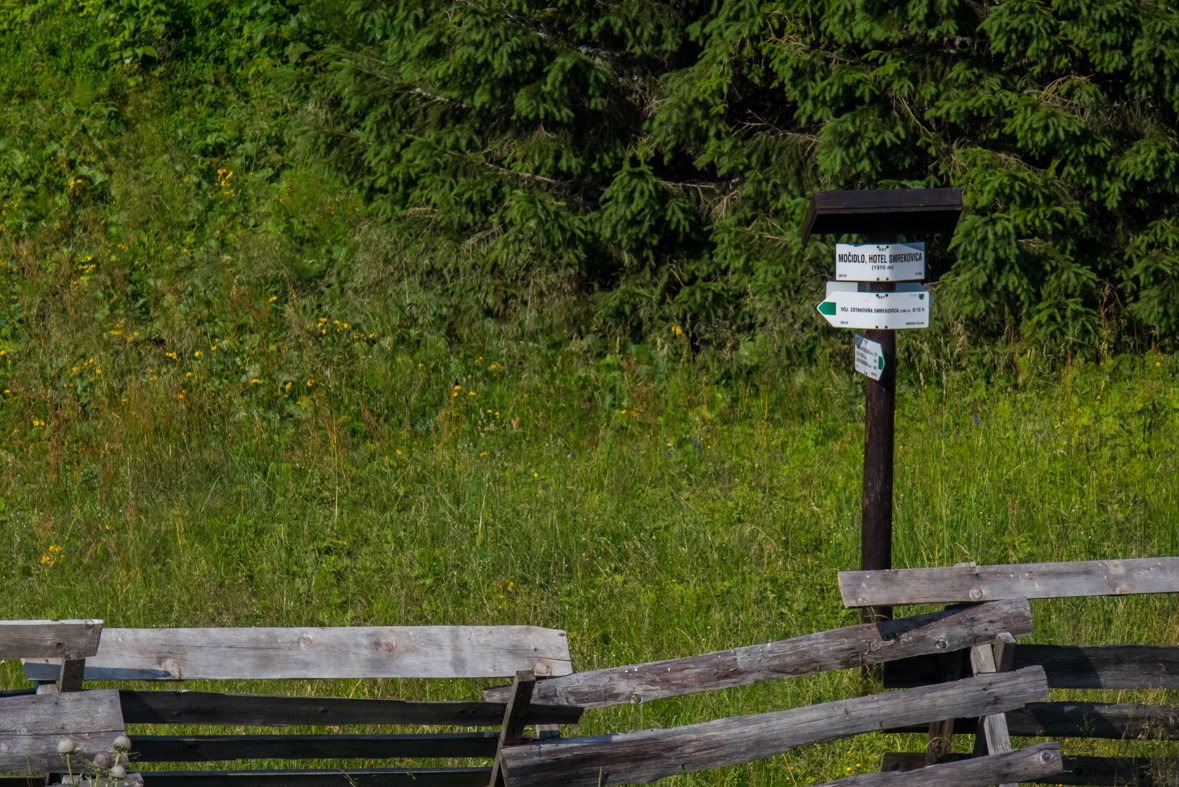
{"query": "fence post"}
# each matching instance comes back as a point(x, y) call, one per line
point(513, 726)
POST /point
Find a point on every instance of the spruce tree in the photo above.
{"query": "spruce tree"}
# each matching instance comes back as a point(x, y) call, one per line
point(661, 155)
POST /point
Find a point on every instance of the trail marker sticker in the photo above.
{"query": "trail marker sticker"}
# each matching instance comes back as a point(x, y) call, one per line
point(877, 310)
point(880, 262)
point(869, 357)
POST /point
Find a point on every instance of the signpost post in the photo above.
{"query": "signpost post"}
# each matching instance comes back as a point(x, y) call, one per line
point(874, 291)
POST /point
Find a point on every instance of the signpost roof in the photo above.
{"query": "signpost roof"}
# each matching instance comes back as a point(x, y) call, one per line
point(902, 211)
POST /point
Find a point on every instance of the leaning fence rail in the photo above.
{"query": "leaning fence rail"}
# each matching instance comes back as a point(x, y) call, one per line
point(844, 648)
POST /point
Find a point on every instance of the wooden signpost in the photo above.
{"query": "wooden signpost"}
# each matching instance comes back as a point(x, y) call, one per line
point(883, 269)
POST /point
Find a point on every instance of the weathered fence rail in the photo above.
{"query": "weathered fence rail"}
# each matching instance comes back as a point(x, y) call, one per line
point(255, 710)
point(845, 648)
point(35, 725)
point(220, 748)
point(971, 584)
point(1068, 666)
point(643, 757)
point(62, 639)
point(341, 777)
point(316, 653)
point(1107, 720)
point(1041, 762)
point(1092, 771)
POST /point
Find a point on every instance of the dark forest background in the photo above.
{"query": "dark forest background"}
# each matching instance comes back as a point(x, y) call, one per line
point(618, 169)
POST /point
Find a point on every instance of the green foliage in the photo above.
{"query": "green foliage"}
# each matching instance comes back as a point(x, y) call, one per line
point(686, 138)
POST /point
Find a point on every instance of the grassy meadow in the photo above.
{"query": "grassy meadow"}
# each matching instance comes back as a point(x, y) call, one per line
point(349, 467)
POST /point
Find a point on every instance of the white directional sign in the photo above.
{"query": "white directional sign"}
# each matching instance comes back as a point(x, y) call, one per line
point(880, 262)
point(869, 357)
point(848, 308)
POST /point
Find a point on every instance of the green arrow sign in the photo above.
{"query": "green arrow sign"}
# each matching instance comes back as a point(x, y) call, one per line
point(869, 357)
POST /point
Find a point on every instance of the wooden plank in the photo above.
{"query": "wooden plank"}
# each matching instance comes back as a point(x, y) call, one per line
point(31, 727)
point(1107, 720)
point(1035, 762)
point(68, 639)
point(978, 664)
point(255, 710)
point(313, 653)
point(516, 715)
point(544, 731)
point(994, 738)
point(913, 671)
point(846, 648)
point(368, 777)
point(1119, 772)
point(16, 692)
point(513, 727)
point(1024, 580)
point(1069, 666)
point(217, 748)
point(1004, 650)
point(71, 674)
point(940, 739)
point(643, 757)
point(864, 211)
point(1112, 721)
point(998, 741)
point(1097, 771)
point(1104, 666)
point(31, 780)
point(909, 761)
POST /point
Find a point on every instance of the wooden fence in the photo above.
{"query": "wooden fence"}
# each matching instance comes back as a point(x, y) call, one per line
point(316, 653)
point(1065, 666)
point(59, 656)
point(955, 671)
point(92, 720)
point(642, 757)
